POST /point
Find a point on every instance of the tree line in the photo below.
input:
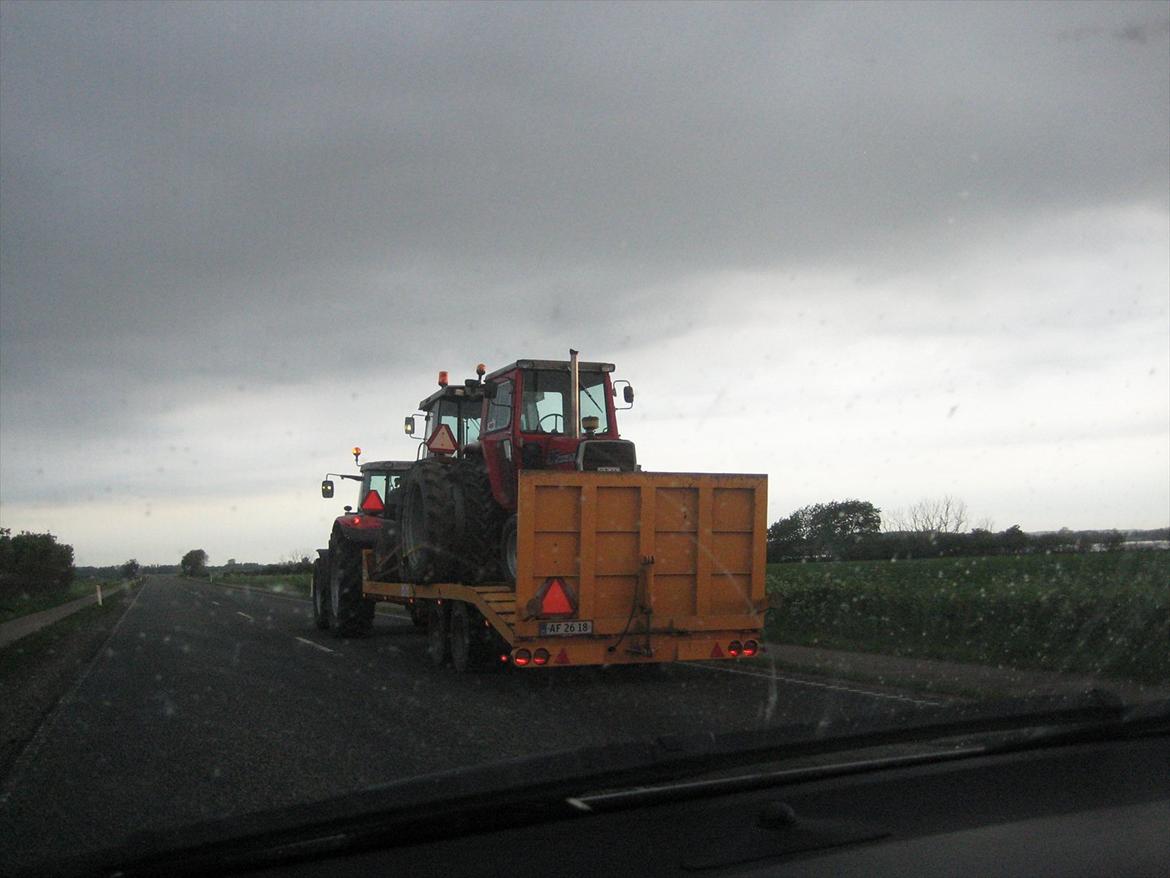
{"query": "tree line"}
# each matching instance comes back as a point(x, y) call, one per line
point(852, 530)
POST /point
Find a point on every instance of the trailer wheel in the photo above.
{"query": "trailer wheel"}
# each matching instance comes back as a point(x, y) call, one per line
point(427, 526)
point(469, 641)
point(418, 614)
point(352, 615)
point(508, 548)
point(321, 591)
point(438, 622)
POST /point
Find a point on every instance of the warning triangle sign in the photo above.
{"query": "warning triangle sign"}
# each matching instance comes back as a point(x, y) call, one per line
point(442, 441)
point(716, 652)
point(562, 658)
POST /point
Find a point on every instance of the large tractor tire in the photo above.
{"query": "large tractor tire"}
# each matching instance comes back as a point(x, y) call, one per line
point(352, 615)
point(321, 591)
point(430, 551)
point(479, 519)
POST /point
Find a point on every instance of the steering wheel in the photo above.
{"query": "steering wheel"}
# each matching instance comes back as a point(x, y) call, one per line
point(540, 423)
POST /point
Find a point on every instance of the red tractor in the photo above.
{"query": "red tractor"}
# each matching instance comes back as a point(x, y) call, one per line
point(337, 574)
point(458, 515)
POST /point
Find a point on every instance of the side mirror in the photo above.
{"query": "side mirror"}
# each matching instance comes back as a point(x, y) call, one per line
point(627, 393)
point(408, 425)
point(327, 489)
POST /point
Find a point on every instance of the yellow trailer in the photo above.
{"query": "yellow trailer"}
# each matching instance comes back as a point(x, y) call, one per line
point(611, 568)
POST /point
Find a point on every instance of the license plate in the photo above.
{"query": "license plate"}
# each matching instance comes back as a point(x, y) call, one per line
point(562, 629)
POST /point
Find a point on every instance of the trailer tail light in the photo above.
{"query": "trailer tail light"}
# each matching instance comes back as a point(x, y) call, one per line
point(373, 502)
point(540, 657)
point(521, 658)
point(750, 647)
point(734, 649)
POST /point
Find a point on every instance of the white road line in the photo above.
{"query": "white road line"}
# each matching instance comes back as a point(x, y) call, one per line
point(245, 615)
point(217, 603)
point(314, 643)
point(871, 693)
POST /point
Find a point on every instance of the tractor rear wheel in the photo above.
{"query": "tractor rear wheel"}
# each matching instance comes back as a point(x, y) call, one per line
point(321, 592)
point(438, 624)
point(429, 552)
point(480, 521)
point(353, 616)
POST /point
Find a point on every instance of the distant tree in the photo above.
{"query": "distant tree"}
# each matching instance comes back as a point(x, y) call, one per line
point(835, 529)
point(1014, 541)
point(34, 562)
point(941, 515)
point(1112, 540)
point(194, 563)
point(129, 570)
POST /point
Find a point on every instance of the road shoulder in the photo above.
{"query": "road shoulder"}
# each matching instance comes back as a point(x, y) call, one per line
point(37, 670)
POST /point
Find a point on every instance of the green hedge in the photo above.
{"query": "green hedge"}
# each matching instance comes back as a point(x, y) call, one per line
point(1106, 613)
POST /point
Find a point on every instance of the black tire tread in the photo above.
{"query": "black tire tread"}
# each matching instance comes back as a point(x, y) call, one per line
point(355, 615)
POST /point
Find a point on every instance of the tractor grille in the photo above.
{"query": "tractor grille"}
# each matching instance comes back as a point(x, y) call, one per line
point(607, 454)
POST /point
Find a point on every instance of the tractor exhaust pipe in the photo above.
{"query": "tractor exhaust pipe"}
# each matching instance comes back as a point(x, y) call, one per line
point(575, 395)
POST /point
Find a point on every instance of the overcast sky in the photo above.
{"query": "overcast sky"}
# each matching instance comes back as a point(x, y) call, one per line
point(876, 251)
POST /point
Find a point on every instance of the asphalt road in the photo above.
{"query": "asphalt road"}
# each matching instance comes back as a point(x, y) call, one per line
point(210, 701)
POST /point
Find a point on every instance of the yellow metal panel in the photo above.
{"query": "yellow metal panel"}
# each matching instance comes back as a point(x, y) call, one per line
point(676, 509)
point(705, 532)
point(733, 509)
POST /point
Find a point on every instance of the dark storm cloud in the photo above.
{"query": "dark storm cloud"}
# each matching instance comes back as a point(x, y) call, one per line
point(190, 192)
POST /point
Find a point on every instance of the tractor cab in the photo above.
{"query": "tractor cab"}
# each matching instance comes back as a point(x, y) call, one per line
point(533, 419)
point(451, 418)
point(377, 496)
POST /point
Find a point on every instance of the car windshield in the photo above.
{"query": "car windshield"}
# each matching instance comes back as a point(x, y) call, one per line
point(891, 281)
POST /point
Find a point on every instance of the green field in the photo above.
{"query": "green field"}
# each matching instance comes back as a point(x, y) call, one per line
point(298, 584)
point(1106, 613)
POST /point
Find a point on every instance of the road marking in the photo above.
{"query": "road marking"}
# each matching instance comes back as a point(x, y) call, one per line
point(245, 615)
point(314, 643)
point(872, 694)
point(217, 603)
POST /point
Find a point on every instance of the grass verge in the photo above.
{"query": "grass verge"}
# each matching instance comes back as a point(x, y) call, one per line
point(34, 602)
point(1106, 614)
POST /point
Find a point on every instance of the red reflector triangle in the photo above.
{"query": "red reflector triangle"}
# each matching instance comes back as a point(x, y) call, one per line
point(442, 441)
point(373, 502)
point(562, 658)
point(716, 652)
point(555, 601)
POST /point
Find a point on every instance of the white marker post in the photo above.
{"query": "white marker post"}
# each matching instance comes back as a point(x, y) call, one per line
point(99, 590)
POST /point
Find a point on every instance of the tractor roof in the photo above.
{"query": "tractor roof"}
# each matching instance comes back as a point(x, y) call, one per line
point(453, 391)
point(552, 365)
point(379, 466)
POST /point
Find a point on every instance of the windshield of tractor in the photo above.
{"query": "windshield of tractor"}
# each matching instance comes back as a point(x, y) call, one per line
point(545, 402)
point(383, 483)
point(460, 415)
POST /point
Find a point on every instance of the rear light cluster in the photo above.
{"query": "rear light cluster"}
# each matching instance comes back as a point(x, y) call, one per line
point(748, 648)
point(521, 658)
